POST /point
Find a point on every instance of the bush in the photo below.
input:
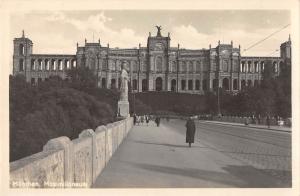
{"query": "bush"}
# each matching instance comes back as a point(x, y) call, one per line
point(37, 115)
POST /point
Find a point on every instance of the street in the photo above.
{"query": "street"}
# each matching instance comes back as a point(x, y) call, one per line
point(222, 156)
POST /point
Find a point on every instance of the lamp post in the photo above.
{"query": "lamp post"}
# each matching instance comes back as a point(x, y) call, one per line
point(219, 110)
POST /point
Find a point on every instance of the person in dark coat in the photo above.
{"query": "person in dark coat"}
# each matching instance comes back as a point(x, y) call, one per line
point(147, 119)
point(157, 120)
point(268, 121)
point(134, 119)
point(190, 131)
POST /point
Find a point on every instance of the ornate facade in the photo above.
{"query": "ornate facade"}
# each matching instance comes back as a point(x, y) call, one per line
point(157, 67)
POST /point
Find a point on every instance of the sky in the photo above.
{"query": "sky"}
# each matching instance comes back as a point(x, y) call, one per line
point(57, 32)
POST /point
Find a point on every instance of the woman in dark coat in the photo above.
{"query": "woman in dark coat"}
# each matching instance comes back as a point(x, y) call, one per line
point(190, 131)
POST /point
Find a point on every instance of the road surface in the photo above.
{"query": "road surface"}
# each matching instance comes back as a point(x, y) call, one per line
point(222, 156)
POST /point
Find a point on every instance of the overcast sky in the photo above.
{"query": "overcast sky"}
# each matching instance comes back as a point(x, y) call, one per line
point(57, 32)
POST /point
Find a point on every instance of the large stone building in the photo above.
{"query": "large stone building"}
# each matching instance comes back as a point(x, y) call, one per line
point(157, 67)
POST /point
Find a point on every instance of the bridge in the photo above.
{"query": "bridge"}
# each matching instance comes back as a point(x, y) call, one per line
point(120, 155)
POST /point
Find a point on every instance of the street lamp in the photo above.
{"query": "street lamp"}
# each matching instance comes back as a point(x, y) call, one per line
point(219, 110)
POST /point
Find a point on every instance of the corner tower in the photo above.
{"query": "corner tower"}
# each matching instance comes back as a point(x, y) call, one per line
point(21, 56)
point(286, 50)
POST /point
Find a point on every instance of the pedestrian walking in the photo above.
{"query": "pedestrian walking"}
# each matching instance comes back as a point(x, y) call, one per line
point(268, 121)
point(134, 119)
point(190, 131)
point(142, 119)
point(147, 119)
point(138, 119)
point(157, 121)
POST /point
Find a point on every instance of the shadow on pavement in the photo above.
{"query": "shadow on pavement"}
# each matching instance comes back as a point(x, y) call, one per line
point(236, 176)
point(219, 177)
point(258, 178)
point(169, 145)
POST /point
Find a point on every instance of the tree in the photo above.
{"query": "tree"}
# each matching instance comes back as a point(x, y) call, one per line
point(82, 78)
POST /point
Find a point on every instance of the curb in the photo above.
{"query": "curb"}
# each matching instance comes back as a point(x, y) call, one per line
point(242, 125)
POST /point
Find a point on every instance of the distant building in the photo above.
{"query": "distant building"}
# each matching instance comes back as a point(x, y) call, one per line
point(157, 67)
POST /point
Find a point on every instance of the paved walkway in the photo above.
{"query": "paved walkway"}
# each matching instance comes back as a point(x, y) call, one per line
point(274, 128)
point(152, 157)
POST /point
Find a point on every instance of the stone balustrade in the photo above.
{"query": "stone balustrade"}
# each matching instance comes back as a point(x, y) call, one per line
point(64, 163)
point(237, 119)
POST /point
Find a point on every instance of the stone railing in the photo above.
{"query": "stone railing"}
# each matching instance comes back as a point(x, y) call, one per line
point(243, 120)
point(64, 163)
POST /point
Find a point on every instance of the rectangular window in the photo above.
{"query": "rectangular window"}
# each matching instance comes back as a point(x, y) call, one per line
point(190, 85)
point(183, 84)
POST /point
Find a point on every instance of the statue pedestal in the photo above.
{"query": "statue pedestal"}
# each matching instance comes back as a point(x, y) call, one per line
point(123, 108)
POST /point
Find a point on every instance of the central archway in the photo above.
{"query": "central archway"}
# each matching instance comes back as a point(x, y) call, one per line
point(225, 84)
point(158, 84)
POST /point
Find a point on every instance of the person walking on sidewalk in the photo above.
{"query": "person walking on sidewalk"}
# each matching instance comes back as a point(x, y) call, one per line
point(268, 121)
point(147, 119)
point(157, 121)
point(190, 131)
point(134, 119)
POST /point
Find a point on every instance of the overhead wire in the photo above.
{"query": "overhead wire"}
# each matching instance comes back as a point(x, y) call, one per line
point(267, 37)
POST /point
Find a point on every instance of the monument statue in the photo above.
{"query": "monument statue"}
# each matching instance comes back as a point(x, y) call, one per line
point(123, 104)
point(124, 85)
point(158, 31)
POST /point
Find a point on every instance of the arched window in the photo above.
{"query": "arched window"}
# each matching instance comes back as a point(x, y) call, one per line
point(198, 67)
point(249, 69)
point(225, 84)
point(134, 84)
point(262, 66)
point(173, 85)
point(174, 66)
point(190, 85)
point(183, 84)
point(103, 82)
point(21, 65)
point(204, 85)
point(235, 84)
point(256, 66)
point(73, 63)
point(144, 85)
point(40, 66)
point(113, 83)
point(104, 64)
point(197, 85)
point(243, 84)
point(183, 67)
point(158, 64)
point(158, 84)
point(21, 49)
point(67, 64)
point(281, 66)
point(53, 64)
point(47, 65)
point(225, 65)
point(32, 64)
point(60, 65)
point(243, 66)
point(215, 84)
point(191, 66)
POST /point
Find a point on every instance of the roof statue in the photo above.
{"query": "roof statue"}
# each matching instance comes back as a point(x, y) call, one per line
point(158, 31)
